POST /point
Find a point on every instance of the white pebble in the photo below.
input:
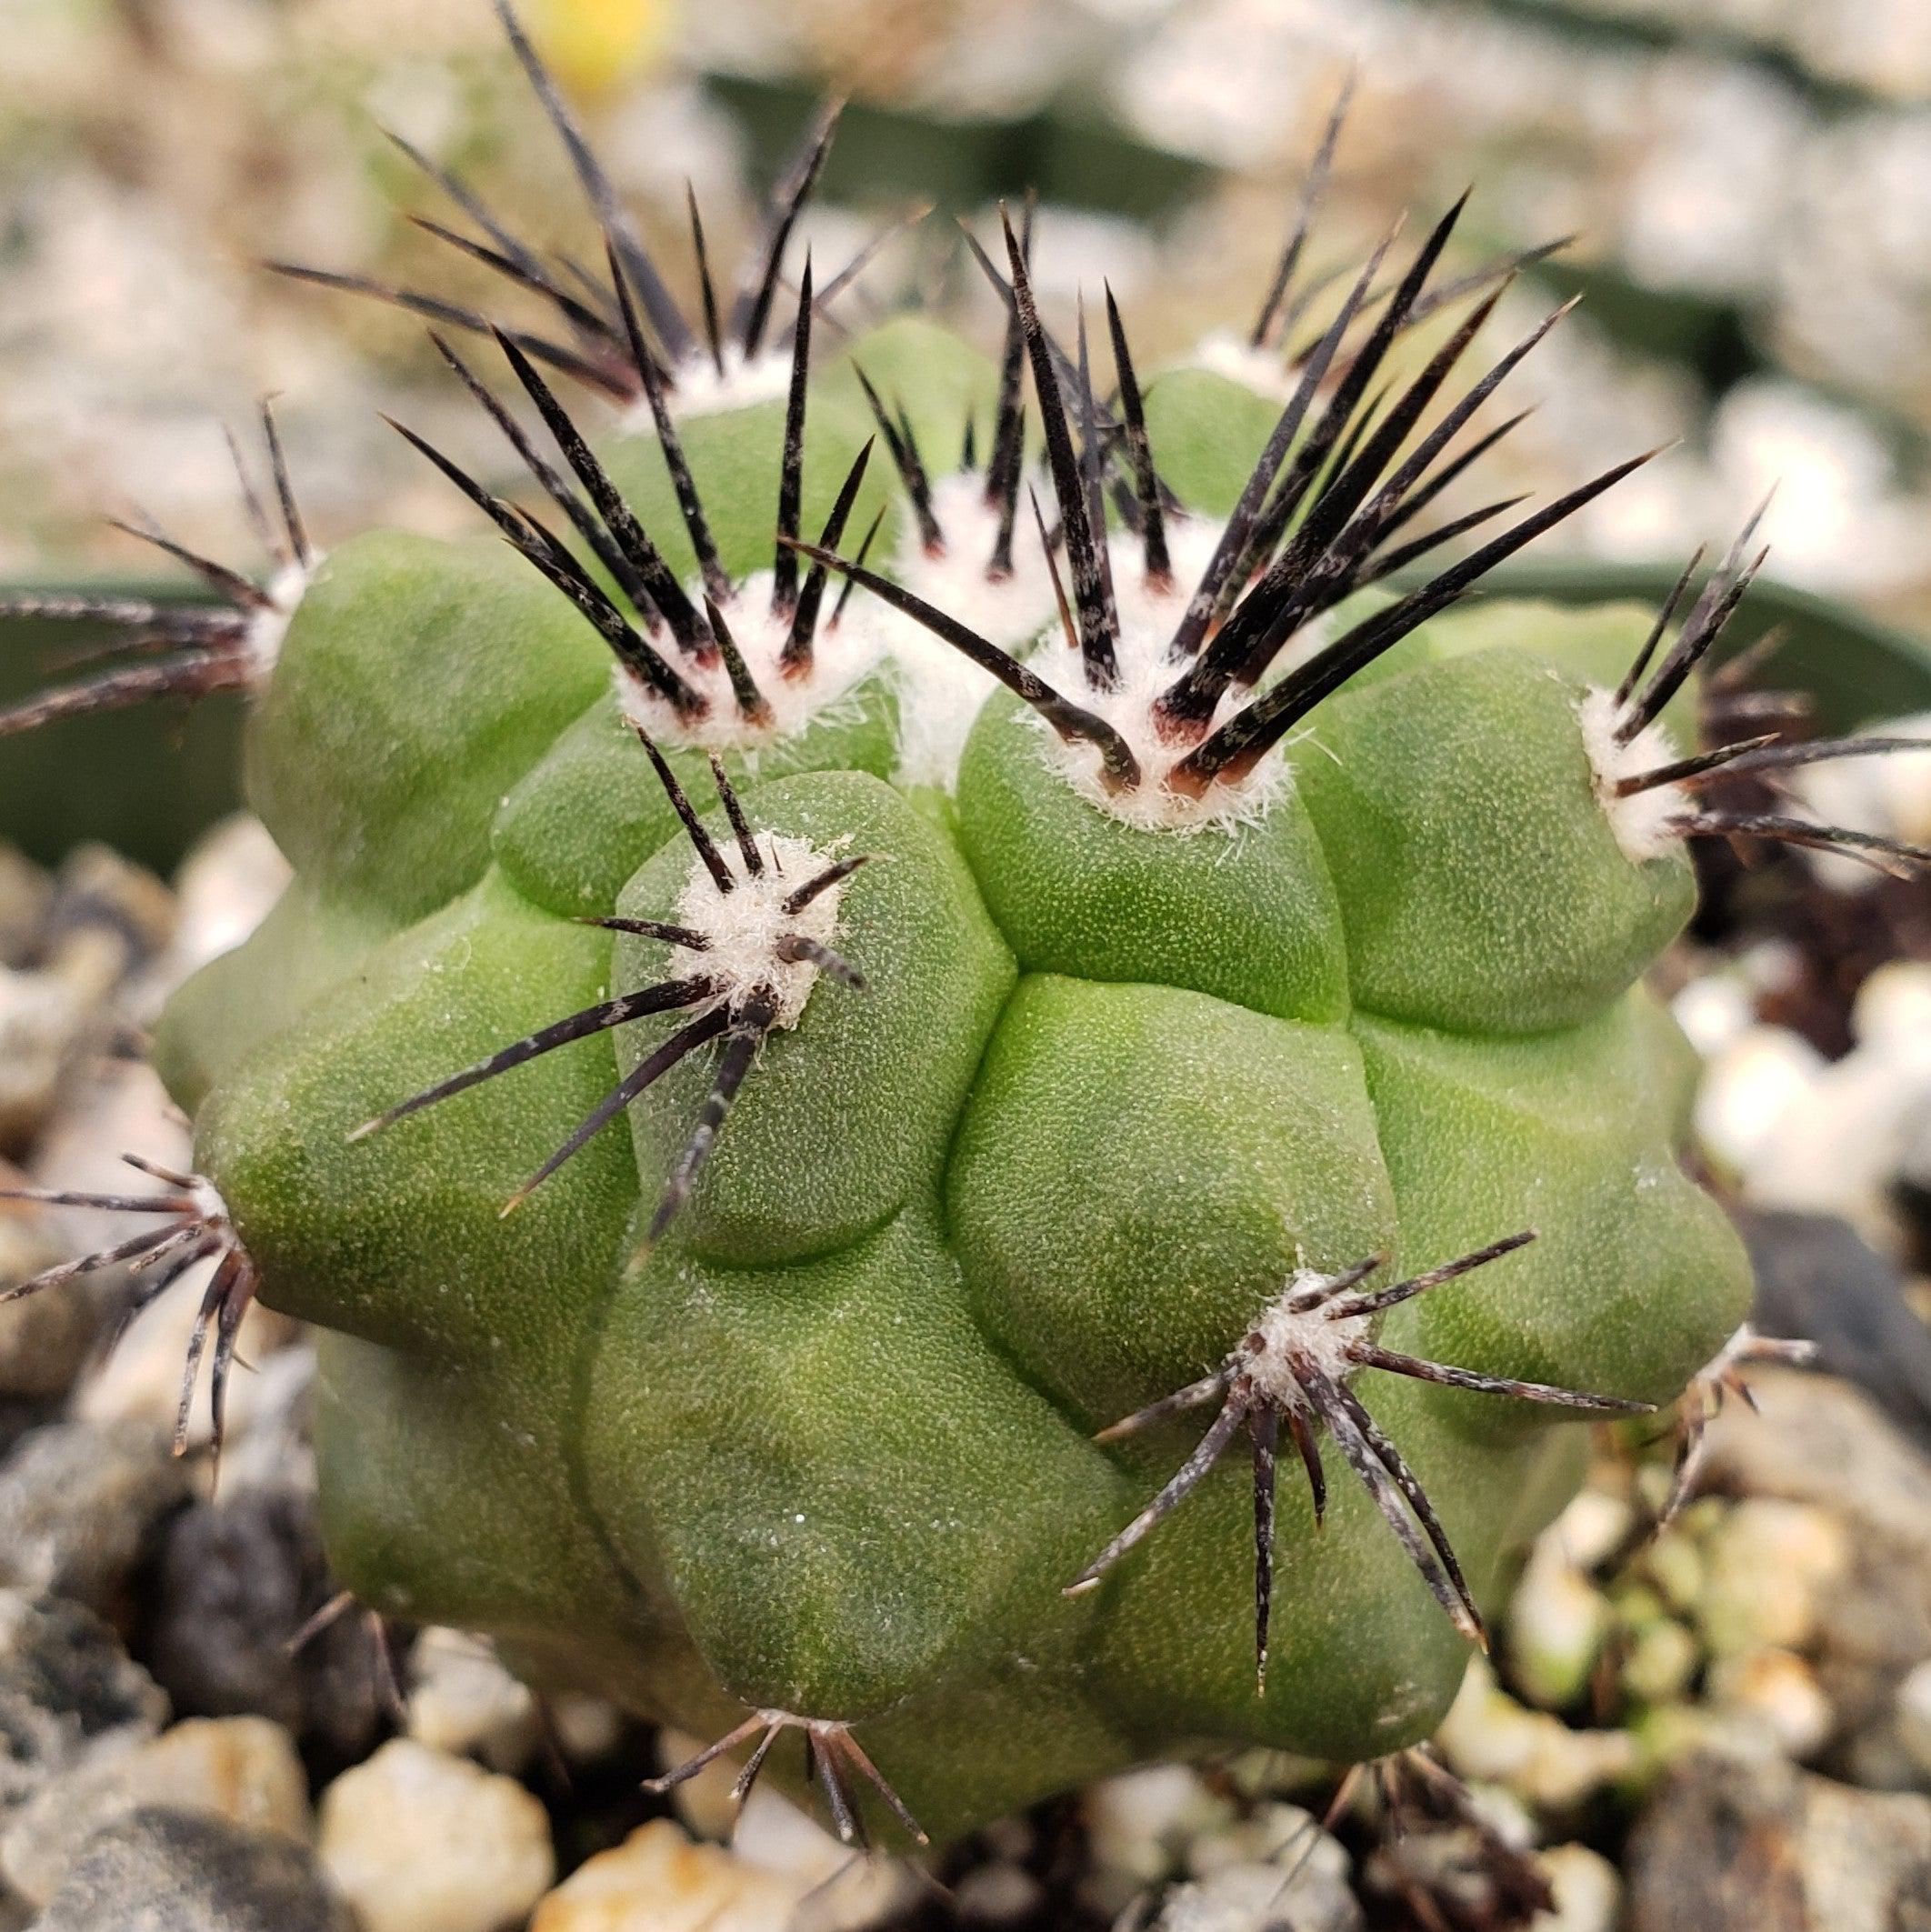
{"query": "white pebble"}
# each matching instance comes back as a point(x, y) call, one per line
point(657, 1880)
point(1769, 1563)
point(1488, 1737)
point(418, 1841)
point(997, 1895)
point(463, 1701)
point(1749, 1089)
point(1777, 1691)
point(1588, 1893)
point(1913, 1715)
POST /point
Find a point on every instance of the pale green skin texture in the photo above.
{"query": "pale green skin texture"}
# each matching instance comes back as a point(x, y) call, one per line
point(828, 1448)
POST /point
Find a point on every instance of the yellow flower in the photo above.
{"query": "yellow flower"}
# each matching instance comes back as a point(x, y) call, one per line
point(594, 44)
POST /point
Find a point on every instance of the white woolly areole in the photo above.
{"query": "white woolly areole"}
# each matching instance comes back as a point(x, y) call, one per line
point(941, 690)
point(697, 389)
point(841, 654)
point(267, 627)
point(1642, 821)
point(1265, 371)
point(1148, 619)
point(1279, 1334)
point(208, 1204)
point(745, 924)
point(1190, 545)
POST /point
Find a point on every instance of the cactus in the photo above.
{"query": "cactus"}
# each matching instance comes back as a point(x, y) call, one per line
point(1207, 978)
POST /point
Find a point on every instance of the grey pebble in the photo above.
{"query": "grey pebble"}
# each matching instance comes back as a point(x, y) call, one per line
point(65, 1687)
point(1758, 1843)
point(45, 1338)
point(174, 1871)
point(80, 1506)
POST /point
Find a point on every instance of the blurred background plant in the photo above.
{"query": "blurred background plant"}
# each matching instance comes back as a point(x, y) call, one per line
point(1749, 182)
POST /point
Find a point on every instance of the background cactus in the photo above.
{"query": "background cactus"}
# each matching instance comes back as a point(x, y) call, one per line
point(1211, 1023)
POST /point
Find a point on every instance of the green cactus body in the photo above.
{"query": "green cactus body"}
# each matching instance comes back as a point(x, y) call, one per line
point(1110, 1089)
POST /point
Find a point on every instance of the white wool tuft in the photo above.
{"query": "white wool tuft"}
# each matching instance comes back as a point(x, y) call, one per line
point(208, 1205)
point(941, 691)
point(841, 655)
point(268, 627)
point(744, 925)
point(1643, 821)
point(1148, 619)
point(1265, 371)
point(1311, 1334)
point(699, 390)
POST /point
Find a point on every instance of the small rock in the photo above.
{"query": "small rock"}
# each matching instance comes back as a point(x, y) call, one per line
point(1816, 1440)
point(107, 916)
point(80, 1507)
point(1763, 1845)
point(223, 890)
point(418, 1841)
point(1556, 1622)
point(1674, 1564)
point(463, 1701)
point(657, 1880)
point(243, 1769)
point(1914, 1717)
point(1275, 1834)
point(140, 1382)
point(25, 893)
point(840, 1893)
point(1819, 1279)
point(1777, 1691)
point(43, 1023)
point(1839, 1150)
point(175, 1871)
point(1488, 1738)
point(1659, 1660)
point(1139, 1826)
point(45, 1337)
point(270, 1441)
point(1455, 1875)
point(1751, 1086)
point(997, 1895)
point(1591, 1529)
point(1260, 1899)
point(1822, 1443)
point(1588, 1891)
point(67, 1687)
point(583, 1729)
point(235, 1582)
point(1666, 1734)
point(121, 1108)
point(1770, 1564)
point(100, 896)
point(703, 1800)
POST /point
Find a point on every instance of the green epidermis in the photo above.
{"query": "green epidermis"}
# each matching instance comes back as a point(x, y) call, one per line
point(826, 1447)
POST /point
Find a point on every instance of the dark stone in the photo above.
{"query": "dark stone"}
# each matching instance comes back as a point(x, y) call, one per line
point(235, 1582)
point(1817, 1278)
point(20, 1415)
point(1913, 1184)
point(65, 1683)
point(177, 1871)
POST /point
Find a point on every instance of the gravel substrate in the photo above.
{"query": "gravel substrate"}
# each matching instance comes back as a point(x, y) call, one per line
point(1725, 1725)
